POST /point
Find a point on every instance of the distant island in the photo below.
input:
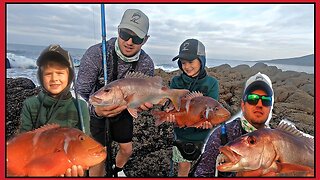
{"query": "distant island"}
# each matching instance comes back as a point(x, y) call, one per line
point(307, 60)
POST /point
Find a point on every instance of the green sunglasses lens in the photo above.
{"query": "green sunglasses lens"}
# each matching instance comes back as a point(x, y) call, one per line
point(253, 99)
point(266, 100)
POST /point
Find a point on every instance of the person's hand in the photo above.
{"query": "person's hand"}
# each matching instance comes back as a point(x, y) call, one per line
point(206, 125)
point(145, 106)
point(109, 111)
point(171, 118)
point(74, 171)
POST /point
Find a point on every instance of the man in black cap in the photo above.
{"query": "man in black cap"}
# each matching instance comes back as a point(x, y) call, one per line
point(256, 112)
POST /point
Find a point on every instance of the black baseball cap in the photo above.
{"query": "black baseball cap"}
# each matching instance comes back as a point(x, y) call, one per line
point(190, 49)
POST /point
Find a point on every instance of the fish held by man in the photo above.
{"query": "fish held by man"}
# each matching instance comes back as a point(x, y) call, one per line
point(50, 151)
point(283, 151)
point(195, 109)
point(134, 90)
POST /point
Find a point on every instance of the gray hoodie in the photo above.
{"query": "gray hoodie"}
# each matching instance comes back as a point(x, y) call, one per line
point(91, 68)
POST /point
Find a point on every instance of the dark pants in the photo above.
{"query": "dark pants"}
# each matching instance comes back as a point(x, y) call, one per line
point(121, 128)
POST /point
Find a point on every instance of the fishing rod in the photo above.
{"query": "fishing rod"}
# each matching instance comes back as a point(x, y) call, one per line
point(78, 106)
point(77, 99)
point(104, 50)
point(108, 164)
point(224, 141)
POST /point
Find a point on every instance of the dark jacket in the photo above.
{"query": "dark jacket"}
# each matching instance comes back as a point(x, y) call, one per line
point(41, 109)
point(203, 83)
point(91, 70)
point(207, 164)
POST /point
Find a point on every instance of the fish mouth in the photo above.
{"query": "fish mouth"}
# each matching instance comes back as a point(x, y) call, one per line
point(228, 159)
point(95, 104)
point(98, 102)
point(95, 101)
point(97, 151)
point(219, 118)
point(224, 116)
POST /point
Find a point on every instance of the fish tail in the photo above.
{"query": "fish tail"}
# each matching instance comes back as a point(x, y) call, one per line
point(159, 117)
point(175, 96)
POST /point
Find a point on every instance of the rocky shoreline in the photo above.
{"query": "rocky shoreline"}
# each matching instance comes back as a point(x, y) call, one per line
point(294, 100)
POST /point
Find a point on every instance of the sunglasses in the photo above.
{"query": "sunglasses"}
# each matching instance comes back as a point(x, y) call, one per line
point(126, 36)
point(253, 99)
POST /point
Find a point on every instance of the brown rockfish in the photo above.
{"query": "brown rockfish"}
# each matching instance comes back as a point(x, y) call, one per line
point(134, 90)
point(50, 151)
point(195, 109)
point(270, 152)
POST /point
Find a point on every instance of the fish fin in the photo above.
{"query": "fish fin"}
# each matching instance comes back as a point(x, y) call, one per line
point(198, 124)
point(53, 164)
point(46, 127)
point(133, 112)
point(289, 127)
point(194, 94)
point(129, 98)
point(175, 95)
point(251, 173)
point(158, 117)
point(287, 169)
point(157, 80)
point(136, 75)
point(158, 122)
point(181, 125)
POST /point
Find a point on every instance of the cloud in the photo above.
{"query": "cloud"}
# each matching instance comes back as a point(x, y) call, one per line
point(229, 31)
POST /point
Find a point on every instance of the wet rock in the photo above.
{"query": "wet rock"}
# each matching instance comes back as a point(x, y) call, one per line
point(16, 92)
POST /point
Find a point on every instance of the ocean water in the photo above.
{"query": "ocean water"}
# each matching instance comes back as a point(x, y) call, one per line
point(23, 61)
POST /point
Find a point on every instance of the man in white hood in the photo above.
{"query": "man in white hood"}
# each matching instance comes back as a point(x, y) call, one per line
point(256, 112)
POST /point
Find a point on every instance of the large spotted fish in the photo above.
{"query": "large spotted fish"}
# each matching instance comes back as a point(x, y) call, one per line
point(195, 109)
point(50, 151)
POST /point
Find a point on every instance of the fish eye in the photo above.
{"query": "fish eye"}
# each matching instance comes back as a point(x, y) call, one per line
point(252, 140)
point(216, 108)
point(81, 138)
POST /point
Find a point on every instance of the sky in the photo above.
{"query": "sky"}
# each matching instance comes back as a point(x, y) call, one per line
point(228, 31)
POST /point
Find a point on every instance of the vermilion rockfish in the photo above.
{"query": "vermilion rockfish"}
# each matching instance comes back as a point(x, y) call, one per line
point(134, 90)
point(195, 109)
point(270, 152)
point(50, 151)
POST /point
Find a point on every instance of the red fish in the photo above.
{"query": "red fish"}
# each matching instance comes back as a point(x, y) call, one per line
point(195, 109)
point(50, 151)
point(134, 90)
point(284, 151)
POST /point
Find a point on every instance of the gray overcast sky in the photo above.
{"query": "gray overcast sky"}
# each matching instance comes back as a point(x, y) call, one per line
point(229, 31)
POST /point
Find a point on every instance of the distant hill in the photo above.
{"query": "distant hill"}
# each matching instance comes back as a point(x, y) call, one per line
point(301, 61)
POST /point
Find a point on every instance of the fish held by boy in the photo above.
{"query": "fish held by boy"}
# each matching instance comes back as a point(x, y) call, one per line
point(134, 90)
point(50, 151)
point(195, 109)
point(284, 151)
